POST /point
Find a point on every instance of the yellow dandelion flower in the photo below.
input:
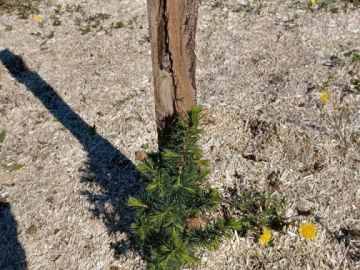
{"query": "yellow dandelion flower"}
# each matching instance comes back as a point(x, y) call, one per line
point(37, 18)
point(265, 237)
point(313, 2)
point(308, 231)
point(325, 97)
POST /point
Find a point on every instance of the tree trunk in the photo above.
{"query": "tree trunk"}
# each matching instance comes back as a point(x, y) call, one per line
point(172, 25)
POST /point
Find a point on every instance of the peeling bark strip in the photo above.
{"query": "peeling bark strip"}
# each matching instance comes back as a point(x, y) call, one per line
point(172, 25)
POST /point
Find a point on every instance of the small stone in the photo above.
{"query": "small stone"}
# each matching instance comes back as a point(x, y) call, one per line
point(5, 177)
point(358, 195)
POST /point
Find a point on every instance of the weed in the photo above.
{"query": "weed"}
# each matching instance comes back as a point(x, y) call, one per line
point(308, 230)
point(2, 112)
point(17, 166)
point(339, 122)
point(330, 6)
point(97, 22)
point(57, 9)
point(249, 7)
point(119, 24)
point(355, 84)
point(217, 4)
point(55, 20)
point(77, 21)
point(355, 138)
point(85, 30)
point(102, 16)
point(43, 46)
point(124, 100)
point(145, 146)
point(145, 39)
point(26, 8)
point(23, 8)
point(290, 24)
point(8, 27)
point(87, 23)
point(75, 9)
point(2, 136)
point(340, 117)
point(257, 210)
point(4, 166)
point(42, 144)
point(354, 55)
point(354, 2)
point(133, 21)
point(324, 85)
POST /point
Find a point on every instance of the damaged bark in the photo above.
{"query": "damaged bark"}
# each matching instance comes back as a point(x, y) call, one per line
point(172, 25)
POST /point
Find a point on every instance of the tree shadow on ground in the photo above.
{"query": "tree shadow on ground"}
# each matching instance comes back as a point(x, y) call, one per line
point(12, 255)
point(106, 166)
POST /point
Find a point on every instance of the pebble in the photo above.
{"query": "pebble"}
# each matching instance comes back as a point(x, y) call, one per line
point(5, 177)
point(358, 195)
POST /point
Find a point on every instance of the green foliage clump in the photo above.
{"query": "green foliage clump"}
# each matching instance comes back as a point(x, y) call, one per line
point(2, 136)
point(172, 212)
point(354, 55)
point(24, 8)
point(261, 210)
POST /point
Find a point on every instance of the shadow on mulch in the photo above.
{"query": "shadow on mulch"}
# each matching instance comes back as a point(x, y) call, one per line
point(106, 166)
point(12, 255)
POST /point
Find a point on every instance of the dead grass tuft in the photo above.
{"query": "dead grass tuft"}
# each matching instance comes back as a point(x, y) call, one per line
point(23, 8)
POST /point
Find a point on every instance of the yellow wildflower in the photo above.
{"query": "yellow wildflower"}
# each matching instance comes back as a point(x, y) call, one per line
point(308, 231)
point(325, 97)
point(37, 18)
point(313, 2)
point(265, 237)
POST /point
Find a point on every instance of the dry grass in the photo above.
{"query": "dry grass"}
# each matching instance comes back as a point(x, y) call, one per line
point(262, 66)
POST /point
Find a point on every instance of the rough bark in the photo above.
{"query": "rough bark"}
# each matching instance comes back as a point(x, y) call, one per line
point(172, 25)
